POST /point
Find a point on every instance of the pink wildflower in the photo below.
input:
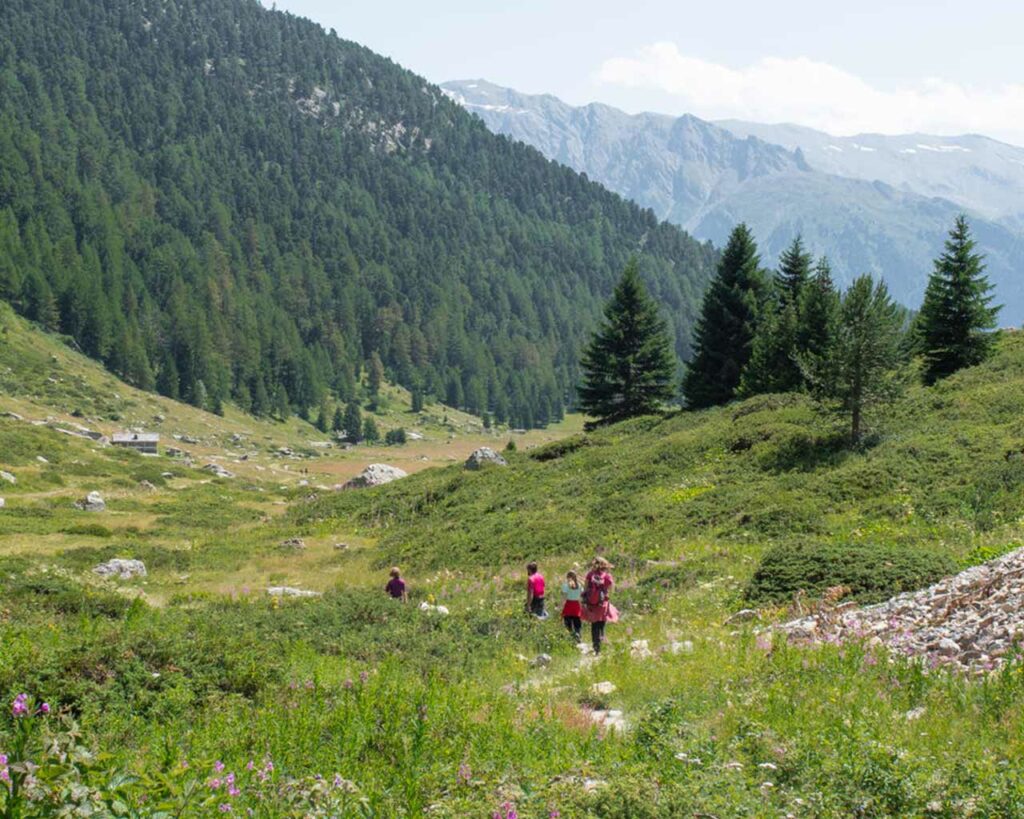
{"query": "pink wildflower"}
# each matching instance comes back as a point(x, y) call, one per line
point(364, 676)
point(19, 707)
point(224, 807)
point(44, 708)
point(249, 765)
point(218, 766)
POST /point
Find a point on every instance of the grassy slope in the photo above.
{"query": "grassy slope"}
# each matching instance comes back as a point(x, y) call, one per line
point(685, 506)
point(729, 482)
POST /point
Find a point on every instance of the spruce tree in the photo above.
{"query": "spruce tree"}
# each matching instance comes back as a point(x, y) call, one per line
point(818, 309)
point(338, 422)
point(793, 274)
point(371, 434)
point(957, 313)
point(628, 366)
point(353, 423)
point(772, 366)
point(323, 417)
point(725, 331)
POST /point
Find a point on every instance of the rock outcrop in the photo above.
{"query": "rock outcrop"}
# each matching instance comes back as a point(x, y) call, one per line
point(970, 621)
point(218, 470)
point(375, 475)
point(93, 502)
point(121, 569)
point(484, 455)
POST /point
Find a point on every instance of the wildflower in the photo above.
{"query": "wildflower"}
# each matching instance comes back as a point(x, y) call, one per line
point(229, 779)
point(218, 766)
point(215, 784)
point(338, 781)
point(363, 677)
point(347, 684)
point(464, 774)
point(554, 814)
point(764, 642)
point(309, 685)
point(19, 707)
point(249, 765)
point(224, 807)
point(233, 791)
point(44, 708)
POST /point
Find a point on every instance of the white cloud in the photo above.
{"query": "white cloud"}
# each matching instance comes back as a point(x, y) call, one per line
point(818, 95)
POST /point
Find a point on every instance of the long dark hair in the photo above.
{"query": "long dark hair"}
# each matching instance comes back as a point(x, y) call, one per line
point(574, 581)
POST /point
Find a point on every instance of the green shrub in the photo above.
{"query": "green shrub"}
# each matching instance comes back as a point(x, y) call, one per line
point(559, 449)
point(872, 571)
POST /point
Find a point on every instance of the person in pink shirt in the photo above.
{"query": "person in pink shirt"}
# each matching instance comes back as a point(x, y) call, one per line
point(535, 592)
point(597, 608)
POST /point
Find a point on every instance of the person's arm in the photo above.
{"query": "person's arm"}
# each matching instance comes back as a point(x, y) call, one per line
point(529, 593)
point(405, 593)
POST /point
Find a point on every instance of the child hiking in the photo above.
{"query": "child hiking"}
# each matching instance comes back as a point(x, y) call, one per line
point(572, 609)
point(597, 608)
point(535, 592)
point(396, 586)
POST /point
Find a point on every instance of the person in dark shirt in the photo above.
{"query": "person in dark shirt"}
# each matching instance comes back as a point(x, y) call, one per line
point(396, 586)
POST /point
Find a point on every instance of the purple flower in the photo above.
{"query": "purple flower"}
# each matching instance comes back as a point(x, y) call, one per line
point(215, 784)
point(218, 766)
point(249, 765)
point(233, 791)
point(3, 759)
point(44, 708)
point(464, 774)
point(364, 676)
point(19, 707)
point(224, 807)
point(554, 814)
point(347, 684)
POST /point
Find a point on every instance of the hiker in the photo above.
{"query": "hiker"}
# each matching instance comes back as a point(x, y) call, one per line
point(396, 586)
point(572, 610)
point(597, 608)
point(535, 592)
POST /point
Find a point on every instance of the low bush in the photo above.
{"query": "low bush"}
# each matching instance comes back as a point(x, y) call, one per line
point(872, 571)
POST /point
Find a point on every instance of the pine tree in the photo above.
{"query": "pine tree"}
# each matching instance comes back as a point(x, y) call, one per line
point(957, 313)
point(323, 417)
point(857, 368)
point(375, 376)
point(353, 423)
point(724, 334)
point(793, 274)
point(818, 311)
point(772, 366)
point(417, 400)
point(338, 422)
point(370, 432)
point(628, 366)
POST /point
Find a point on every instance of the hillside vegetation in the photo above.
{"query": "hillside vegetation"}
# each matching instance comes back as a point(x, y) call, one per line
point(225, 202)
point(352, 705)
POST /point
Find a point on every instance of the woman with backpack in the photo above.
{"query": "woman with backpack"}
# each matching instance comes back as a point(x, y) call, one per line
point(597, 608)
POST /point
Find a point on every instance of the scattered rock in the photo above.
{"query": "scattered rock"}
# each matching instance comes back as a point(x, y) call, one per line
point(147, 486)
point(969, 621)
point(166, 474)
point(218, 470)
point(188, 439)
point(7, 476)
point(3, 503)
point(484, 455)
point(341, 546)
point(121, 569)
point(414, 436)
point(289, 591)
point(425, 606)
point(174, 452)
point(640, 650)
point(294, 544)
point(13, 416)
point(680, 647)
point(375, 475)
point(603, 688)
point(742, 616)
point(93, 502)
point(542, 661)
point(41, 459)
point(609, 720)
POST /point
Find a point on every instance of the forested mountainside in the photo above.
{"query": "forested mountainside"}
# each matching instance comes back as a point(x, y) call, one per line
point(871, 204)
point(221, 201)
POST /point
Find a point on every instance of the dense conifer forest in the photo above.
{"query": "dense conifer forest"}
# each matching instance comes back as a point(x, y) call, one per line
point(224, 202)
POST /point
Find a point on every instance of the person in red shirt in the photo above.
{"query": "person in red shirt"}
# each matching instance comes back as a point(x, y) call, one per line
point(535, 592)
point(597, 608)
point(396, 586)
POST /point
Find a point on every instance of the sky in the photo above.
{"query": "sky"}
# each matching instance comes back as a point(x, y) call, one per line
point(849, 67)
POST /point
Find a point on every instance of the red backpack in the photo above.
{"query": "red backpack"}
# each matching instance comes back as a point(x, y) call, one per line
point(596, 594)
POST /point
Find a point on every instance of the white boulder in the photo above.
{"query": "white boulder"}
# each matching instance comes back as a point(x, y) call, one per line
point(93, 502)
point(375, 475)
point(121, 569)
point(484, 455)
point(7, 476)
point(289, 591)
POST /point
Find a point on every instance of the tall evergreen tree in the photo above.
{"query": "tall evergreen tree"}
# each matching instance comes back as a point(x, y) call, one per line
point(818, 310)
point(957, 314)
point(353, 423)
point(856, 369)
point(725, 331)
point(793, 274)
point(338, 421)
point(773, 366)
point(628, 366)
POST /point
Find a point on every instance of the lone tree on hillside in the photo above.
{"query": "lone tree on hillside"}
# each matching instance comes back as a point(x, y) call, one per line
point(353, 423)
point(725, 331)
point(956, 316)
point(857, 368)
point(628, 367)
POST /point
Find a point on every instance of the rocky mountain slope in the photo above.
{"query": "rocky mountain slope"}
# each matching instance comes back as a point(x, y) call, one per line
point(870, 205)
